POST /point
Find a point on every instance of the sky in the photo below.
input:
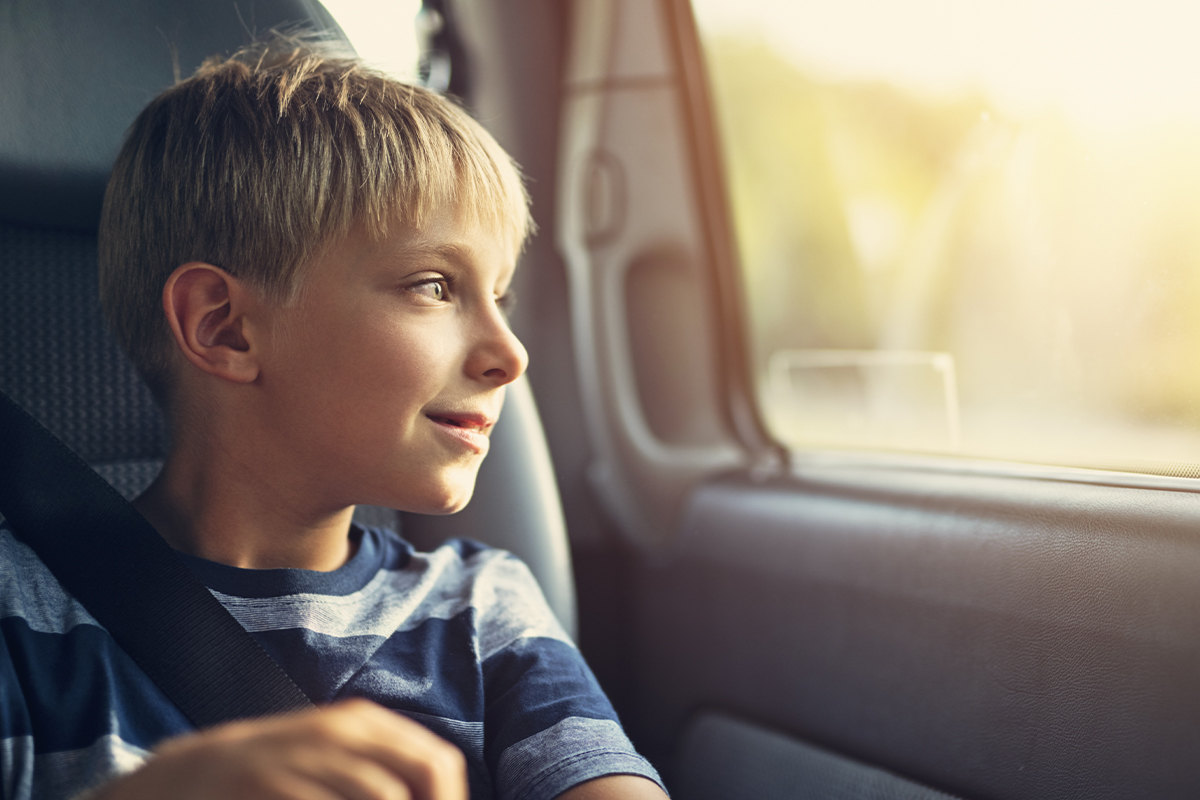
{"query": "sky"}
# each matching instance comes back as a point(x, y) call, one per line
point(1104, 62)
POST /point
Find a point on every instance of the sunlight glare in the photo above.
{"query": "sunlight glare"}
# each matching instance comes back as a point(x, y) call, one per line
point(382, 31)
point(1102, 62)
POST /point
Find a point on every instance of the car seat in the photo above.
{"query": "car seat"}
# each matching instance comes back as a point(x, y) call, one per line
point(75, 76)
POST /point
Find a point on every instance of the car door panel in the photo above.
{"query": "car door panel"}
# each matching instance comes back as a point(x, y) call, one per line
point(991, 636)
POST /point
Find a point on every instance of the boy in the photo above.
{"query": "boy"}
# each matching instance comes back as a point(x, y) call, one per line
point(308, 264)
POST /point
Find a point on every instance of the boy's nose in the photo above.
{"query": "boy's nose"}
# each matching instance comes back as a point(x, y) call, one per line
point(501, 358)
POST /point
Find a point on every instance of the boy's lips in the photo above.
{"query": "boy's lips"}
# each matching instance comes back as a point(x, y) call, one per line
point(476, 422)
point(471, 429)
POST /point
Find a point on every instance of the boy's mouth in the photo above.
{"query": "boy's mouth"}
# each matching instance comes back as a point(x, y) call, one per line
point(468, 430)
point(471, 422)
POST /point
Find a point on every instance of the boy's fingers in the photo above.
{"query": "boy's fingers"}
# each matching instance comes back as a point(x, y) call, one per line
point(351, 778)
point(355, 750)
point(287, 787)
point(433, 768)
point(434, 774)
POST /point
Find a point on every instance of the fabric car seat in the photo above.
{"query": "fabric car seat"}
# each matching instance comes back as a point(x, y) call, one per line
point(74, 76)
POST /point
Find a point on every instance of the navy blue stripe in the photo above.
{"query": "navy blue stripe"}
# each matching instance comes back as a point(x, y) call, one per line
point(377, 549)
point(435, 659)
point(532, 686)
point(72, 683)
point(14, 715)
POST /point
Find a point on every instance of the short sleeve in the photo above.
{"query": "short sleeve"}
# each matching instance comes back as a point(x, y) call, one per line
point(548, 725)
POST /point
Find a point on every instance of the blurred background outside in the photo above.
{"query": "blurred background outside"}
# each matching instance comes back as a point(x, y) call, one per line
point(969, 227)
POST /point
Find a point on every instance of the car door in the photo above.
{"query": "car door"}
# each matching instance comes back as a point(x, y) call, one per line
point(825, 609)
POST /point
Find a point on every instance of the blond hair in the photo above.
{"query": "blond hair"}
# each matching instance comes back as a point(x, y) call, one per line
point(261, 160)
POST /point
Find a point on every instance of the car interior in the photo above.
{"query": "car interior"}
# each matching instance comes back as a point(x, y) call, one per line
point(770, 620)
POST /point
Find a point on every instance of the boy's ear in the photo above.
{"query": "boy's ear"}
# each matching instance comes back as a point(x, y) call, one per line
point(206, 308)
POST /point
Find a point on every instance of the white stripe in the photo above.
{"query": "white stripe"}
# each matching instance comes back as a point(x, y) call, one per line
point(511, 607)
point(28, 590)
point(16, 767)
point(505, 596)
point(572, 751)
point(71, 773)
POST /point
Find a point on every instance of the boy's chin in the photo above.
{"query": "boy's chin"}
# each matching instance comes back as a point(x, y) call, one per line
point(451, 507)
point(448, 498)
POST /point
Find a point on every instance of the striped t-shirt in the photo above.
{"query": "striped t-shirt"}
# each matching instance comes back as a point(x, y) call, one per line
point(459, 639)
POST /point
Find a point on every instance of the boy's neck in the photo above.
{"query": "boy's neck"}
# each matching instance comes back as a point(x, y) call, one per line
point(209, 503)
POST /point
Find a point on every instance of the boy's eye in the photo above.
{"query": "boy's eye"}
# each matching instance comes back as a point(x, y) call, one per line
point(506, 301)
point(433, 289)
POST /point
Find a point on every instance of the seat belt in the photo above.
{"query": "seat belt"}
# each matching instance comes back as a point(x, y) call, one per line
point(125, 574)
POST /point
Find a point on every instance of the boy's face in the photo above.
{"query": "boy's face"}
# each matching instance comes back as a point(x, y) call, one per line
point(384, 380)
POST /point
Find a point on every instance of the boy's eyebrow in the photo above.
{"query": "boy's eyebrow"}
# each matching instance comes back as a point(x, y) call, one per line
point(459, 255)
point(454, 253)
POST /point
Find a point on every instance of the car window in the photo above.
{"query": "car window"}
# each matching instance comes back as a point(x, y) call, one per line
point(968, 227)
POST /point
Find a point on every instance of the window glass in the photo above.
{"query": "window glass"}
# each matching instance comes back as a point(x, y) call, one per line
point(969, 227)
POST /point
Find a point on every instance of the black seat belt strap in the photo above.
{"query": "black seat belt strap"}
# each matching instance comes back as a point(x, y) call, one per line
point(115, 563)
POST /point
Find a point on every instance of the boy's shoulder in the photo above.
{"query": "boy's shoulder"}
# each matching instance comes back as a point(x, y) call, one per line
point(467, 577)
point(30, 593)
point(499, 589)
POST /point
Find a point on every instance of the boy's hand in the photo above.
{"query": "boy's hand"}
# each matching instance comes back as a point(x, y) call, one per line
point(352, 750)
